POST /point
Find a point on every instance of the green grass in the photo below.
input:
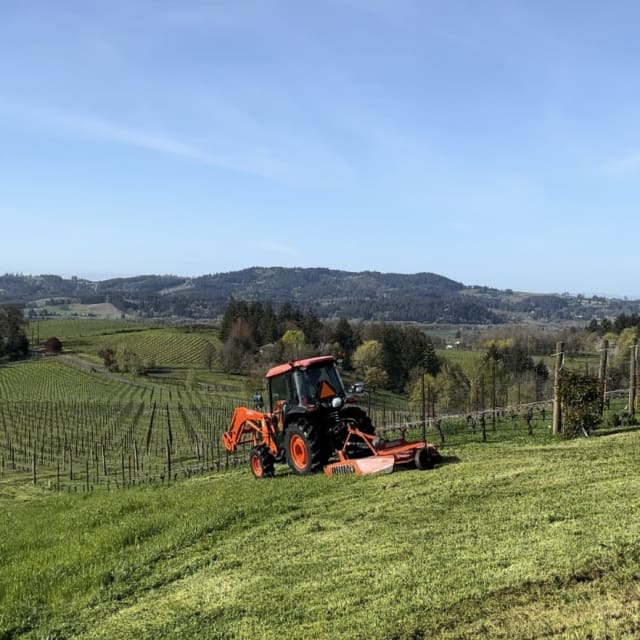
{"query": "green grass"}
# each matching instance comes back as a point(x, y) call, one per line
point(504, 541)
point(52, 379)
point(164, 346)
point(71, 329)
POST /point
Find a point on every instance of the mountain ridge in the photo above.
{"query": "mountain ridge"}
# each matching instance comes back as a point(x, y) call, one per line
point(367, 295)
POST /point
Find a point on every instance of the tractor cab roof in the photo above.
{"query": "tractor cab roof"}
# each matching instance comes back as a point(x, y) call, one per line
point(297, 364)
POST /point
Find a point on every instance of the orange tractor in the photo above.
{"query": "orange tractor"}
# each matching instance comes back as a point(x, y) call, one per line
point(310, 420)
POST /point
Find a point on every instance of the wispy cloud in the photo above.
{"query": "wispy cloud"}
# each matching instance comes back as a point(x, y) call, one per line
point(624, 165)
point(276, 247)
point(285, 161)
point(132, 137)
point(98, 129)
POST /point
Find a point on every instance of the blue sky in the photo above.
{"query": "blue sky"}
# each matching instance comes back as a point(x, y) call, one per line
point(492, 142)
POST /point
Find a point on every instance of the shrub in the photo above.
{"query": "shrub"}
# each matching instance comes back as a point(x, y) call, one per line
point(581, 397)
point(53, 345)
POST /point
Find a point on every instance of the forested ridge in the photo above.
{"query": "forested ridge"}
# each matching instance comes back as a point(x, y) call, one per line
point(366, 295)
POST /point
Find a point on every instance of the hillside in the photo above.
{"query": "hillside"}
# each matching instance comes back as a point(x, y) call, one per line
point(367, 295)
point(502, 541)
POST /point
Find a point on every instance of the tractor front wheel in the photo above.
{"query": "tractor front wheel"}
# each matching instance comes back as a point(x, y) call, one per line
point(261, 461)
point(302, 447)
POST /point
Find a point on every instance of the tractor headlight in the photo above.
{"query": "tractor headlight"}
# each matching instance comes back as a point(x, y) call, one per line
point(336, 402)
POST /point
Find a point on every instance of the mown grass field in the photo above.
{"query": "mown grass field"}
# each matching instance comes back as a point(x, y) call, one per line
point(501, 541)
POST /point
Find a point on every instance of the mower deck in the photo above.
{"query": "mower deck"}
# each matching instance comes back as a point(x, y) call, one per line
point(380, 456)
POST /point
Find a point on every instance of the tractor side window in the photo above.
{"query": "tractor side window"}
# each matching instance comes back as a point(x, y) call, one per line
point(278, 391)
point(292, 391)
point(283, 389)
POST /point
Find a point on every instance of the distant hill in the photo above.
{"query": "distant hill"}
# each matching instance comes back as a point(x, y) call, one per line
point(366, 295)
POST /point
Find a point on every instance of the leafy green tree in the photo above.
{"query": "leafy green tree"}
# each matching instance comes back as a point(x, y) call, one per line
point(405, 349)
point(368, 355)
point(428, 382)
point(13, 339)
point(127, 360)
point(375, 378)
point(581, 399)
point(619, 369)
point(108, 356)
point(446, 392)
point(453, 388)
point(293, 342)
point(237, 350)
point(234, 358)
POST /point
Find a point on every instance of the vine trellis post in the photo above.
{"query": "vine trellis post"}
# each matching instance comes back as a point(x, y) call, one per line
point(632, 377)
point(602, 374)
point(557, 408)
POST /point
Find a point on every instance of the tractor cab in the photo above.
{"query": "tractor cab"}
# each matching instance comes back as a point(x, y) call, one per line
point(304, 385)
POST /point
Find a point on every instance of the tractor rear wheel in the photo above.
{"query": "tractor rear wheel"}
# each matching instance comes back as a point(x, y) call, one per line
point(262, 461)
point(360, 418)
point(304, 448)
point(424, 459)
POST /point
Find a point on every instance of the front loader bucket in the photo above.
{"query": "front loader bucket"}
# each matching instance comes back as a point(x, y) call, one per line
point(361, 466)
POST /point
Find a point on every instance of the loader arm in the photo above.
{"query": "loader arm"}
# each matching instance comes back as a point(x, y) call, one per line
point(250, 427)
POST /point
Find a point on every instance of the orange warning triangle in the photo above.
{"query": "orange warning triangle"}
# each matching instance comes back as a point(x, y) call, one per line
point(326, 391)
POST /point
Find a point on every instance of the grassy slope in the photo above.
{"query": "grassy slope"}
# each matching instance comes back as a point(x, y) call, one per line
point(507, 542)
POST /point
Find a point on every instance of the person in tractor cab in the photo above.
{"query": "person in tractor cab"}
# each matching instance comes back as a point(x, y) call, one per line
point(311, 384)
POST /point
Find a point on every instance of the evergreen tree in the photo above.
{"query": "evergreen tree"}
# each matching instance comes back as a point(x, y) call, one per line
point(344, 336)
point(13, 339)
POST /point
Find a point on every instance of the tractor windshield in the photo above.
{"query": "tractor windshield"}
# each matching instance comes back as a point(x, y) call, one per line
point(319, 383)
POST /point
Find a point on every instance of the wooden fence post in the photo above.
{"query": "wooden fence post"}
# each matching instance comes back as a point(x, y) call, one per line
point(632, 377)
point(493, 394)
point(423, 412)
point(557, 409)
point(602, 373)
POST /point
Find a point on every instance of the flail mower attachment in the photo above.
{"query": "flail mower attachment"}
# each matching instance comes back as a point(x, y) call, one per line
point(364, 454)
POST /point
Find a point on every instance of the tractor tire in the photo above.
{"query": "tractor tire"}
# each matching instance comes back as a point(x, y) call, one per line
point(261, 461)
point(424, 459)
point(304, 449)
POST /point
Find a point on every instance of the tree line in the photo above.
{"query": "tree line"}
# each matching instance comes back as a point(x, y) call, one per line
point(402, 358)
point(385, 356)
